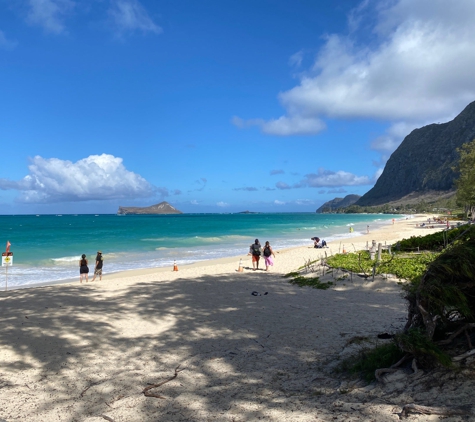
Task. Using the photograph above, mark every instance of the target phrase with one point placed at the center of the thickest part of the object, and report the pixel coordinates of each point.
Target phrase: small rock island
(161, 208)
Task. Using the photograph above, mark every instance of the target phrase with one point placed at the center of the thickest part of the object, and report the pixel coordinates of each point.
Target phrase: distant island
(248, 212)
(161, 208)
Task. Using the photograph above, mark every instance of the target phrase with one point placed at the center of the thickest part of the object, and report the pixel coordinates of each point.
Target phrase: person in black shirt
(83, 268)
(255, 251)
(98, 267)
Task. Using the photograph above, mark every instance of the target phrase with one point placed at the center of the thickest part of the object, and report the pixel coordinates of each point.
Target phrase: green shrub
(367, 361)
(313, 282)
(436, 241)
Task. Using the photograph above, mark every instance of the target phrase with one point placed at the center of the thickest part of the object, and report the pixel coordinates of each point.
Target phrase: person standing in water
(83, 268)
(98, 267)
(268, 254)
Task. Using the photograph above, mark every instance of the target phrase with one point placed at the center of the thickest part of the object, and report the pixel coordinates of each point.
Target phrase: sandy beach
(86, 352)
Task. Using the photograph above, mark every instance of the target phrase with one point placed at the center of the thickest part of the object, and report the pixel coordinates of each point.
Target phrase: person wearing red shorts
(255, 251)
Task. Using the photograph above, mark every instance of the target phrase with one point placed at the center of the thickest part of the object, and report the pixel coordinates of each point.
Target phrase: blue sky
(218, 106)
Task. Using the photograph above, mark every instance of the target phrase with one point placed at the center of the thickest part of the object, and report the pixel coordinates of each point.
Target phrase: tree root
(463, 355)
(393, 368)
(379, 372)
(456, 333)
(146, 392)
(89, 386)
(426, 410)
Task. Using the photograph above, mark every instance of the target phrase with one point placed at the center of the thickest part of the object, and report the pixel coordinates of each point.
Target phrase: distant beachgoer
(255, 251)
(268, 254)
(98, 267)
(367, 229)
(317, 243)
(83, 268)
(316, 240)
(351, 229)
(393, 220)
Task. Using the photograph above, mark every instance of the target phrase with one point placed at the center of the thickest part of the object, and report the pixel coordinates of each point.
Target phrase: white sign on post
(7, 260)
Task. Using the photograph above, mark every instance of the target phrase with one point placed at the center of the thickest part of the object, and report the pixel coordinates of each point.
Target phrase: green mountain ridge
(338, 203)
(423, 162)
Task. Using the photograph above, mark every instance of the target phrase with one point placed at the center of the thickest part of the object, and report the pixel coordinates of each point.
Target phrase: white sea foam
(66, 259)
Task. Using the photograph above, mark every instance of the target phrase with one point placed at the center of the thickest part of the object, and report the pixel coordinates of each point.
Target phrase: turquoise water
(47, 247)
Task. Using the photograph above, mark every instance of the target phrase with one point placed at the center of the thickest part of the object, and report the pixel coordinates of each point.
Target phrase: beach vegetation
(440, 291)
(302, 281)
(366, 361)
(435, 241)
(418, 344)
(403, 266)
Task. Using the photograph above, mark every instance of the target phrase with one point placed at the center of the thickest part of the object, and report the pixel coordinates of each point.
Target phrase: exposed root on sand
(426, 410)
(146, 392)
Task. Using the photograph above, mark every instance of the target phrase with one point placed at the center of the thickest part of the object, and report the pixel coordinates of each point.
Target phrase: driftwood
(146, 390)
(107, 418)
(426, 410)
(464, 355)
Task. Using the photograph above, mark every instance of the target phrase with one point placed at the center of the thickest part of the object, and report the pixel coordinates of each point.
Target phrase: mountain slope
(424, 160)
(338, 203)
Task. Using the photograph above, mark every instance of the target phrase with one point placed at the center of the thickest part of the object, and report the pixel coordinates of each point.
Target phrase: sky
(219, 106)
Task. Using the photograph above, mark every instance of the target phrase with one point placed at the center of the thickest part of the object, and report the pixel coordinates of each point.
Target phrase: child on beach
(268, 254)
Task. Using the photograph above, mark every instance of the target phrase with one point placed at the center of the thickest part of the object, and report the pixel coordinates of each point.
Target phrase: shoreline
(387, 233)
(252, 346)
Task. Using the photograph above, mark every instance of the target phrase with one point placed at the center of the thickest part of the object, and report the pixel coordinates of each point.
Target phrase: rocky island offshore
(161, 208)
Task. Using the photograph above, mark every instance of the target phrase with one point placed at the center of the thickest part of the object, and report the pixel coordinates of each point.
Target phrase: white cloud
(327, 178)
(277, 202)
(194, 202)
(222, 204)
(5, 43)
(304, 202)
(403, 61)
(284, 125)
(49, 14)
(130, 15)
(282, 186)
(97, 177)
(390, 140)
(410, 75)
(296, 59)
(274, 172)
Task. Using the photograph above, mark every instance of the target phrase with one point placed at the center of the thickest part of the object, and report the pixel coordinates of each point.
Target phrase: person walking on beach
(98, 267)
(255, 251)
(268, 254)
(83, 268)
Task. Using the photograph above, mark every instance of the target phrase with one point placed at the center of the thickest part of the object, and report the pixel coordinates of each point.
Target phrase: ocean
(47, 248)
